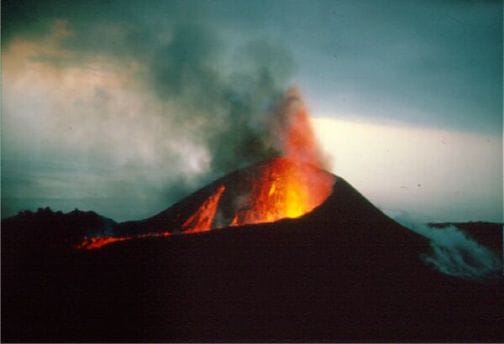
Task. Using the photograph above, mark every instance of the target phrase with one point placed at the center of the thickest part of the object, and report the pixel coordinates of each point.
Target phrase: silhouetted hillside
(45, 229)
(344, 272)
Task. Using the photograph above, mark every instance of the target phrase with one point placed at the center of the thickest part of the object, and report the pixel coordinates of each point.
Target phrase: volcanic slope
(264, 192)
(343, 272)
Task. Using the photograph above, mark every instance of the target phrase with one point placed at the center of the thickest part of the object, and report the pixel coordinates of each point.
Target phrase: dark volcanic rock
(344, 272)
(43, 229)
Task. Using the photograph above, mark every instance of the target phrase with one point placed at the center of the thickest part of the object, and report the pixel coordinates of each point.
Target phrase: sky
(126, 107)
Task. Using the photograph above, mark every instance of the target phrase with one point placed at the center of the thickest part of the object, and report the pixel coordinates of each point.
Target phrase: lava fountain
(288, 186)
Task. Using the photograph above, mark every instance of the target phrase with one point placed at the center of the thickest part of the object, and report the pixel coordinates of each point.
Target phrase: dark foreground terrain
(345, 272)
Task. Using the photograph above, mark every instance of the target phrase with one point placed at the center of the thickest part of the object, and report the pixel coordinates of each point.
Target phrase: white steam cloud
(454, 253)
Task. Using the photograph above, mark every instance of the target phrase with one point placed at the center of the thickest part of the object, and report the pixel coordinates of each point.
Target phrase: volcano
(278, 251)
(343, 271)
(278, 190)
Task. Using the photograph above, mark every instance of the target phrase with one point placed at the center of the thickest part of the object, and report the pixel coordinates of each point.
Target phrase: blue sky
(88, 85)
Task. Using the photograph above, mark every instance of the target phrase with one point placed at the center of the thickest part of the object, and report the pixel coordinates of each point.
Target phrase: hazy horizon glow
(431, 174)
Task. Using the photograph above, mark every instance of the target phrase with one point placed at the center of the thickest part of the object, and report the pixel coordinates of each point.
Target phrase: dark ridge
(46, 228)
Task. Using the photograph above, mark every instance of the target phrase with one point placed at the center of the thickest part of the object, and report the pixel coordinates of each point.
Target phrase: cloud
(161, 111)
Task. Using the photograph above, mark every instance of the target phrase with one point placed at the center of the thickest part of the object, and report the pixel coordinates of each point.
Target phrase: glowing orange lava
(284, 189)
(294, 184)
(202, 219)
(99, 242)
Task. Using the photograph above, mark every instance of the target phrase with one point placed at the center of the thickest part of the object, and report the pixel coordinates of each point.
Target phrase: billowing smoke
(454, 253)
(231, 104)
(131, 113)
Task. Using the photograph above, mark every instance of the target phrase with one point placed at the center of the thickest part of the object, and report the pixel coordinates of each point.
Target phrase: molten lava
(202, 219)
(294, 184)
(283, 189)
(99, 242)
